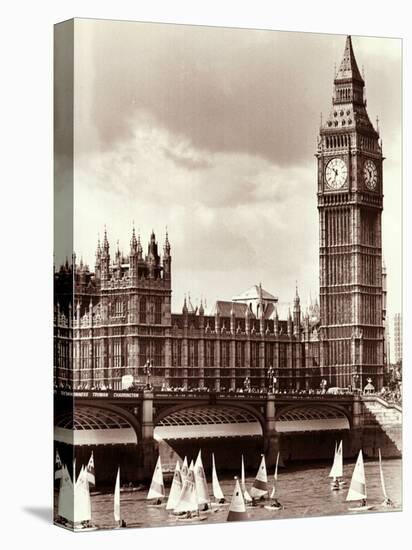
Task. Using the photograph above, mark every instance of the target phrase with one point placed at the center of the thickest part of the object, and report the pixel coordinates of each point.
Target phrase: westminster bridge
(132, 427)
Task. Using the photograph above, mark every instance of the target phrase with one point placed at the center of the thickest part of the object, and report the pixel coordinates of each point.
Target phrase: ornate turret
(167, 259)
(232, 319)
(98, 259)
(133, 243)
(133, 256)
(248, 315)
(118, 259)
(276, 322)
(289, 323)
(296, 313)
(152, 256)
(217, 321)
(105, 258)
(201, 315)
(139, 248)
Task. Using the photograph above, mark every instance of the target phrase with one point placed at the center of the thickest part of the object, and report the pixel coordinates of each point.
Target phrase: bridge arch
(312, 417)
(102, 424)
(205, 420)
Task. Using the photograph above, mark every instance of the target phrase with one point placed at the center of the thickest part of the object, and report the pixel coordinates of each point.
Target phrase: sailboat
(187, 508)
(237, 508)
(82, 519)
(217, 491)
(387, 502)
(246, 495)
(336, 471)
(260, 486)
(58, 471)
(275, 503)
(357, 488)
(116, 508)
(202, 490)
(157, 489)
(65, 506)
(175, 489)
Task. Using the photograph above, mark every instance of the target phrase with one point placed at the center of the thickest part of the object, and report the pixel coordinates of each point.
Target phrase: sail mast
(275, 477)
(116, 510)
(246, 495)
(382, 478)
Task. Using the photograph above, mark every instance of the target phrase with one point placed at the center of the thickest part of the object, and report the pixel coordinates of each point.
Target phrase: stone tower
(350, 202)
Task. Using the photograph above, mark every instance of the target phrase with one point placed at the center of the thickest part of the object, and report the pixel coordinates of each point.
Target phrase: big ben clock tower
(350, 202)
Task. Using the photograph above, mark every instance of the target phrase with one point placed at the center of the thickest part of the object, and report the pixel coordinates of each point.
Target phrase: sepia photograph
(228, 299)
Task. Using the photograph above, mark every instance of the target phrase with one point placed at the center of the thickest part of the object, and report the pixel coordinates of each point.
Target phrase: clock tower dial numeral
(370, 175)
(336, 174)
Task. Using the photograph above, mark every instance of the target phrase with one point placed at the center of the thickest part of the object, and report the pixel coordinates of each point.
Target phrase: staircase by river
(377, 412)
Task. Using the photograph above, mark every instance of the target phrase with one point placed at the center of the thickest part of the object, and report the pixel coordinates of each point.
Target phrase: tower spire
(348, 69)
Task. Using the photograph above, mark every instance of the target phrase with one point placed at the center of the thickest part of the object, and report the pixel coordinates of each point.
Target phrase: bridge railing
(100, 394)
(200, 394)
(386, 403)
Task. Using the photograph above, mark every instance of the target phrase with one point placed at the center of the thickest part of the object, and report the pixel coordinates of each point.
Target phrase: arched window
(158, 311)
(142, 309)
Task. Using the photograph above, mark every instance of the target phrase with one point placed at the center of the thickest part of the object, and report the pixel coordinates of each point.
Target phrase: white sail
(90, 471)
(337, 466)
(200, 481)
(332, 470)
(275, 477)
(188, 497)
(65, 507)
(157, 488)
(175, 489)
(116, 510)
(357, 489)
(82, 502)
(237, 508)
(246, 495)
(260, 485)
(58, 467)
(184, 470)
(217, 491)
(382, 478)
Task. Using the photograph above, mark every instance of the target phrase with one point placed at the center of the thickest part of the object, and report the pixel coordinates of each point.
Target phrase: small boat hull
(273, 508)
(193, 519)
(361, 508)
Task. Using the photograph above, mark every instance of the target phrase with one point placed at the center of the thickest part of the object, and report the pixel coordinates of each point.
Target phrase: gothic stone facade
(122, 318)
(110, 322)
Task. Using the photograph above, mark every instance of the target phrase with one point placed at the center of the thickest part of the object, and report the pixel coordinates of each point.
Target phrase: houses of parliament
(117, 319)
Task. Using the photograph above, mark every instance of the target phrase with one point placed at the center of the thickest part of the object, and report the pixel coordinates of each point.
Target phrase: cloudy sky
(212, 133)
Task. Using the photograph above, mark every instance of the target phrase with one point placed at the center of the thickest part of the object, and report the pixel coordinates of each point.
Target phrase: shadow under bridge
(227, 431)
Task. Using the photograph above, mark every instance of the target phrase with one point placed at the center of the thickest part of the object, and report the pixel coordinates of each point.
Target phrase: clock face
(370, 175)
(336, 173)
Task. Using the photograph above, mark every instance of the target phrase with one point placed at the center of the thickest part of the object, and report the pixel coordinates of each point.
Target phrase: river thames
(304, 491)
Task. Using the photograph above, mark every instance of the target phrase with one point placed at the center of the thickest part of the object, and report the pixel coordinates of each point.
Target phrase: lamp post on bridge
(355, 378)
(148, 372)
(271, 379)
